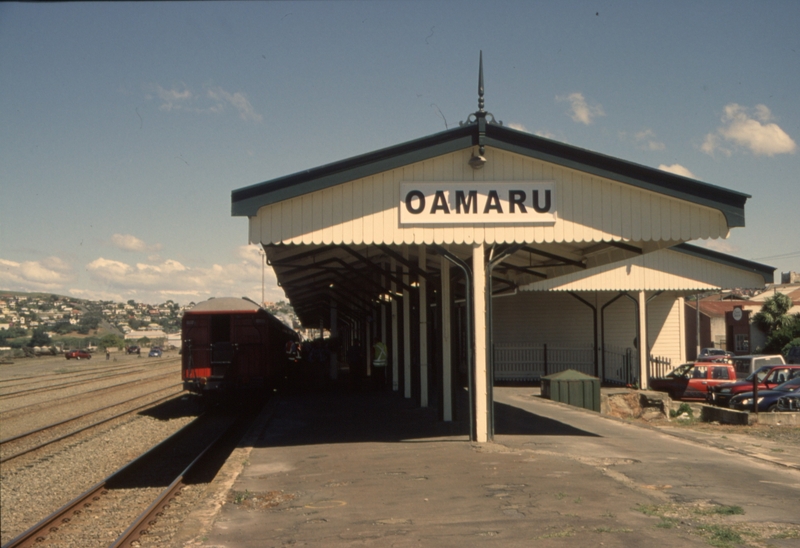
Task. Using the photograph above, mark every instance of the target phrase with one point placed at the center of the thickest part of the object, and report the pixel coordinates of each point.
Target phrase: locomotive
(232, 343)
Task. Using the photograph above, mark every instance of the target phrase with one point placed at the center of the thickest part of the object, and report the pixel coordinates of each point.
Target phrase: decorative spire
(480, 113)
(480, 84)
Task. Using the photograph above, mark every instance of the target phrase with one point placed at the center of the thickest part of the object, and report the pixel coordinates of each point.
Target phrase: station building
(484, 254)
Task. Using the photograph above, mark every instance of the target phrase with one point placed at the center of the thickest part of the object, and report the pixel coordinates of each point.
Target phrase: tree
(773, 319)
(40, 338)
(111, 341)
(773, 313)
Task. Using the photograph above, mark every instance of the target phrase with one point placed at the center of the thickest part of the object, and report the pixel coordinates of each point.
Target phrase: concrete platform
(372, 469)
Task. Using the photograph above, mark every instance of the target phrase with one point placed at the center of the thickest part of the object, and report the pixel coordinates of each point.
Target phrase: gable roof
(246, 201)
(682, 267)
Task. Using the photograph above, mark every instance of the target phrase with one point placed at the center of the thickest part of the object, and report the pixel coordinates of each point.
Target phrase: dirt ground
(785, 435)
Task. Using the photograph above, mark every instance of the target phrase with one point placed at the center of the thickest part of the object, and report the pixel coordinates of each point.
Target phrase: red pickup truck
(768, 377)
(691, 381)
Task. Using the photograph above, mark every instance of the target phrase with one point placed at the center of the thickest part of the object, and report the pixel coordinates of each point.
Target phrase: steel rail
(76, 383)
(149, 517)
(113, 386)
(93, 425)
(38, 532)
(71, 374)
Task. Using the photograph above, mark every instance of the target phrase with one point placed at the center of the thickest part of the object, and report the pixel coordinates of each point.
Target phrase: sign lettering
(470, 202)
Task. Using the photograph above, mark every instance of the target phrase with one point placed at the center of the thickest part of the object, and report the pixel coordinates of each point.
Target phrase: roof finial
(481, 114)
(480, 84)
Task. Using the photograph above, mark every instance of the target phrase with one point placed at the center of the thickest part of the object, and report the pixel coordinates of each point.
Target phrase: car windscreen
(789, 386)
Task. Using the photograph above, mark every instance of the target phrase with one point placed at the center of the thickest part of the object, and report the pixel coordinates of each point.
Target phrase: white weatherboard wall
(532, 319)
(539, 318)
(589, 208)
(664, 327)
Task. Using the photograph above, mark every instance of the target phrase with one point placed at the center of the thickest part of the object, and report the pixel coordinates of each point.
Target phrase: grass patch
(564, 533)
(649, 509)
(786, 535)
(560, 496)
(612, 530)
(720, 511)
(721, 536)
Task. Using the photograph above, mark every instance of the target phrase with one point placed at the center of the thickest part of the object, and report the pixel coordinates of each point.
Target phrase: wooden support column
(395, 341)
(479, 306)
(367, 347)
(447, 360)
(644, 351)
(423, 329)
(682, 328)
(334, 365)
(406, 329)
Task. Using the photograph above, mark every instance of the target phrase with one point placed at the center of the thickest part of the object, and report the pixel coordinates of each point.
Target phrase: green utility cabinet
(574, 388)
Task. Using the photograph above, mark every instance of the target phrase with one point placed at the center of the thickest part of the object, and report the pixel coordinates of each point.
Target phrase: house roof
(246, 201)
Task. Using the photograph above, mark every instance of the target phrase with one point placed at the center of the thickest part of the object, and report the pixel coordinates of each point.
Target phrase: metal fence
(526, 362)
(521, 362)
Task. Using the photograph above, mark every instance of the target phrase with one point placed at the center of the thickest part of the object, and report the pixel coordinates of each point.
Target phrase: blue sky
(124, 127)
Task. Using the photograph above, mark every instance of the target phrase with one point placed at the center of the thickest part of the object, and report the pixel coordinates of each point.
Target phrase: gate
(618, 366)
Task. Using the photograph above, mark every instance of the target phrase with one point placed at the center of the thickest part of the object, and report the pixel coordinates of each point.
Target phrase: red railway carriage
(230, 342)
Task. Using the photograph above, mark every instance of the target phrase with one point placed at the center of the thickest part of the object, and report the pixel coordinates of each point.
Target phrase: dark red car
(78, 355)
(769, 376)
(691, 381)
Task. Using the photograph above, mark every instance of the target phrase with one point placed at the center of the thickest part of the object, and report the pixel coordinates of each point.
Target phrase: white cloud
(581, 111)
(129, 242)
(215, 100)
(646, 139)
(171, 99)
(751, 130)
(50, 274)
(547, 135)
(722, 246)
(238, 100)
(518, 127)
(677, 169)
(169, 279)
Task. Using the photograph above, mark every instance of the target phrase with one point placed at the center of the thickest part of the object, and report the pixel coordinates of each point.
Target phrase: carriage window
(220, 328)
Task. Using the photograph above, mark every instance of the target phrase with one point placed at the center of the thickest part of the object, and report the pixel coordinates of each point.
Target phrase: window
(720, 373)
(742, 343)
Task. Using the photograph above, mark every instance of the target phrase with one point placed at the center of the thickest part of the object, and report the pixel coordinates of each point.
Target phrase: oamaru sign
(470, 202)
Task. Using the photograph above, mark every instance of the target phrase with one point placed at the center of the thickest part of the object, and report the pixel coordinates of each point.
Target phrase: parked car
(767, 399)
(789, 402)
(155, 352)
(691, 381)
(748, 364)
(78, 355)
(768, 377)
(133, 349)
(714, 354)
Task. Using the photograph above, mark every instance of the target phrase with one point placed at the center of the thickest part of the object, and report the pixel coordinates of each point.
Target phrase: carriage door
(247, 334)
(221, 348)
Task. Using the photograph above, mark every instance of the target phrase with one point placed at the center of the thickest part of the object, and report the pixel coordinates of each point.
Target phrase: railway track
(99, 376)
(131, 500)
(14, 382)
(20, 438)
(56, 401)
